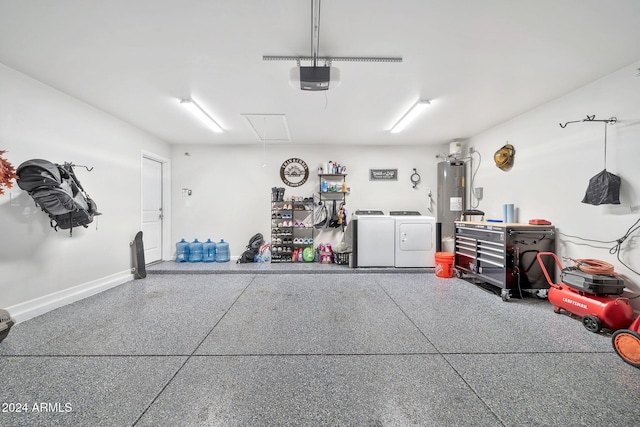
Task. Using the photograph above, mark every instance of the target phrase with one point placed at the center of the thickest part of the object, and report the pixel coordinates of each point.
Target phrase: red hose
(594, 266)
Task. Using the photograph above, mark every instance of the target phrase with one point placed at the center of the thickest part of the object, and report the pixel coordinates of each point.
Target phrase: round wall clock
(294, 172)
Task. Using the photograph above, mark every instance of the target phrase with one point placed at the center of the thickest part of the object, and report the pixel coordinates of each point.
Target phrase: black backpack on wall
(58, 192)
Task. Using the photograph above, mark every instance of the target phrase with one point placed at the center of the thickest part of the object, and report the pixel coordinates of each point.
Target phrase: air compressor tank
(596, 311)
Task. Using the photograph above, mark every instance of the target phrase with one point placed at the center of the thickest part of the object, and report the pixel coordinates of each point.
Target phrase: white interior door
(152, 214)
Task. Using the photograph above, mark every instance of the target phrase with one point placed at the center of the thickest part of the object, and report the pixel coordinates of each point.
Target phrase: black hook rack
(610, 121)
(589, 118)
(89, 169)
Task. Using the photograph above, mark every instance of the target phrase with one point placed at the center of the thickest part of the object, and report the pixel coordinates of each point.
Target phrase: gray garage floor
(372, 348)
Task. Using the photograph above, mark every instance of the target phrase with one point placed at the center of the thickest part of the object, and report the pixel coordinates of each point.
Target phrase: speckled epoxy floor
(383, 348)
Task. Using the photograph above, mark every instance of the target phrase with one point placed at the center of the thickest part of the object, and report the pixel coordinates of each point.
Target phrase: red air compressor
(597, 311)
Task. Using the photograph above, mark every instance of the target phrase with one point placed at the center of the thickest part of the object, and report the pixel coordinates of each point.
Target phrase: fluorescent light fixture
(197, 111)
(413, 112)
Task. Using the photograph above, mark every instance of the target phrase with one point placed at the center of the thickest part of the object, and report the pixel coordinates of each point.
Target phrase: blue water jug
(208, 251)
(182, 251)
(222, 251)
(195, 251)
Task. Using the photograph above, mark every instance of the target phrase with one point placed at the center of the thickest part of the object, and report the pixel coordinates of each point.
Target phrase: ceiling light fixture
(197, 111)
(413, 112)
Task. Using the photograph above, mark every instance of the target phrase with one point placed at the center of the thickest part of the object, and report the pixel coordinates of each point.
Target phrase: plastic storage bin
(341, 258)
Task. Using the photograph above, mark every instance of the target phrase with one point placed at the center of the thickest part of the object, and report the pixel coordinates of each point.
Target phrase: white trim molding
(38, 306)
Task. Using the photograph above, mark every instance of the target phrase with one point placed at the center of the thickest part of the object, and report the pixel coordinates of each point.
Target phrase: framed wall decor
(383, 174)
(294, 172)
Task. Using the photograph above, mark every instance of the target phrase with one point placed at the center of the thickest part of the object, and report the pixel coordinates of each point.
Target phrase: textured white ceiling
(479, 62)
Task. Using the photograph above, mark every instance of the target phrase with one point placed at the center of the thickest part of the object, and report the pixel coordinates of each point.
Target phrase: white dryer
(415, 239)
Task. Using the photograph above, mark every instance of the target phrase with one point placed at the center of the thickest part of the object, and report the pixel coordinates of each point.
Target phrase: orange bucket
(444, 264)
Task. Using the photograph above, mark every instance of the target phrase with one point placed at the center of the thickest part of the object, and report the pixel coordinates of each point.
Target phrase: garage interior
(385, 342)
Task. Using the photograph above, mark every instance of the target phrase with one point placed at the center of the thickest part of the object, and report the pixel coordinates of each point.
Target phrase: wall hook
(73, 165)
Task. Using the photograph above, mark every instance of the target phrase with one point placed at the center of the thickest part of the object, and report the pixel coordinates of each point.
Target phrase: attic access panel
(269, 127)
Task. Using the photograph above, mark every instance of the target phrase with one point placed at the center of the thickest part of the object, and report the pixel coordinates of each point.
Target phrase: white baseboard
(35, 307)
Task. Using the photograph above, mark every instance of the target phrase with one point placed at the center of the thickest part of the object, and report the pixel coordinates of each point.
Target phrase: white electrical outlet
(635, 208)
(477, 192)
(13, 199)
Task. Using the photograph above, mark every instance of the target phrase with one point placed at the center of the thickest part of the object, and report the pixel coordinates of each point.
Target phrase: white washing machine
(415, 239)
(373, 239)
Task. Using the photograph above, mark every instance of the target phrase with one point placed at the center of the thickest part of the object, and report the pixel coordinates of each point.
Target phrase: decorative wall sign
(294, 172)
(383, 174)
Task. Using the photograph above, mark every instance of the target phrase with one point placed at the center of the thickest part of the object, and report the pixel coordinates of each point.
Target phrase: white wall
(232, 190)
(38, 265)
(553, 167)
